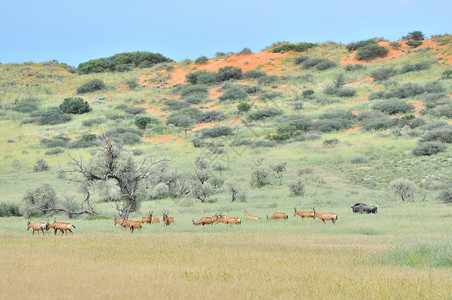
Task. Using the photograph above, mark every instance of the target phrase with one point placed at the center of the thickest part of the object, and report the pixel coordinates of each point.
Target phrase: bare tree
(112, 164)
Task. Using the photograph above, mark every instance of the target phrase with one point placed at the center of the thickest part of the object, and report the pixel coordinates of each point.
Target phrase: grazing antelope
(117, 221)
(250, 217)
(155, 220)
(147, 219)
(167, 220)
(303, 214)
(233, 220)
(277, 216)
(36, 226)
(221, 218)
(203, 221)
(132, 224)
(325, 217)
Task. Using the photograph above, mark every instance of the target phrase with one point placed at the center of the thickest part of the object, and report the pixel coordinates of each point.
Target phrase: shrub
(234, 93)
(252, 89)
(297, 105)
(407, 90)
(395, 45)
(210, 116)
(144, 122)
(264, 113)
(414, 44)
(26, 105)
(189, 90)
(356, 45)
(44, 197)
(300, 59)
(307, 94)
(346, 92)
(173, 104)
(240, 142)
(261, 176)
(230, 72)
(436, 125)
(92, 122)
(381, 123)
(254, 74)
(314, 62)
(132, 83)
(122, 62)
(338, 114)
(91, 86)
(195, 99)
(393, 107)
(202, 77)
(76, 106)
(371, 51)
(404, 188)
(421, 66)
(299, 47)
(41, 166)
(267, 80)
(245, 51)
(9, 210)
(435, 87)
(355, 67)
(383, 73)
(300, 122)
(237, 192)
(161, 190)
(270, 96)
(201, 60)
(181, 121)
(436, 98)
(445, 195)
(131, 109)
(201, 191)
(443, 135)
(414, 35)
(243, 107)
(297, 187)
(325, 65)
(54, 151)
(52, 116)
(263, 144)
(57, 141)
(329, 125)
(216, 131)
(446, 74)
(442, 111)
(429, 148)
(126, 136)
(358, 160)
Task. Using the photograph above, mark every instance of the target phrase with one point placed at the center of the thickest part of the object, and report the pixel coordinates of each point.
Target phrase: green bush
(346, 92)
(445, 195)
(91, 86)
(435, 87)
(263, 144)
(355, 67)
(52, 116)
(264, 114)
(395, 45)
(261, 176)
(230, 72)
(122, 62)
(299, 47)
(356, 45)
(307, 94)
(216, 131)
(57, 141)
(371, 51)
(201, 60)
(381, 123)
(243, 107)
(92, 122)
(414, 35)
(233, 93)
(443, 135)
(9, 210)
(300, 59)
(301, 122)
(254, 74)
(393, 107)
(76, 106)
(252, 89)
(145, 122)
(202, 77)
(267, 80)
(173, 104)
(446, 74)
(181, 121)
(126, 136)
(325, 65)
(421, 66)
(270, 96)
(429, 148)
(210, 116)
(330, 125)
(132, 83)
(26, 105)
(414, 44)
(189, 90)
(381, 74)
(442, 111)
(319, 63)
(54, 151)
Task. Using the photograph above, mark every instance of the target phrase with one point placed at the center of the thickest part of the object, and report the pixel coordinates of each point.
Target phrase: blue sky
(76, 31)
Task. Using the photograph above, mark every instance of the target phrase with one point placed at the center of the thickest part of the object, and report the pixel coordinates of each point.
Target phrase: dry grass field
(227, 265)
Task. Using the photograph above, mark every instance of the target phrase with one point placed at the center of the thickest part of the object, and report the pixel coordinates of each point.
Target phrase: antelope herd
(63, 228)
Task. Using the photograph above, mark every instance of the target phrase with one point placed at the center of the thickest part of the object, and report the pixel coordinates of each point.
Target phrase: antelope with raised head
(147, 219)
(303, 214)
(325, 217)
(37, 226)
(117, 221)
(278, 216)
(132, 224)
(167, 220)
(250, 217)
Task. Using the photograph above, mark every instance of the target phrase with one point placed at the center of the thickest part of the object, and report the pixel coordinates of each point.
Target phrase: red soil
(167, 138)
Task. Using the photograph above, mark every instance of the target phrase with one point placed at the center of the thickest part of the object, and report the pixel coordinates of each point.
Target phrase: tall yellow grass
(225, 265)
